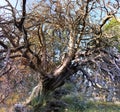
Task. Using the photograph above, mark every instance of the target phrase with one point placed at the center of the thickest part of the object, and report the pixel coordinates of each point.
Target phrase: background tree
(111, 30)
(57, 39)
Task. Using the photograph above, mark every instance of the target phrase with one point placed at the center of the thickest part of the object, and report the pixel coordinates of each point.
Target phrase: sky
(29, 4)
(14, 2)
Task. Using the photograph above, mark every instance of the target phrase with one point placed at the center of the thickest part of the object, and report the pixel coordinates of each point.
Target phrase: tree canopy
(58, 39)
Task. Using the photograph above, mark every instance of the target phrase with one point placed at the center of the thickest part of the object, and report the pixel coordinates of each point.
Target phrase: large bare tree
(59, 38)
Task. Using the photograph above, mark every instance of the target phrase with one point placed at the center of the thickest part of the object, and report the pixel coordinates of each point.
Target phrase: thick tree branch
(71, 53)
(19, 24)
(3, 45)
(105, 20)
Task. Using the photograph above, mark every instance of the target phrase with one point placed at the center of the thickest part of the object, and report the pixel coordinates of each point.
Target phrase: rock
(21, 108)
